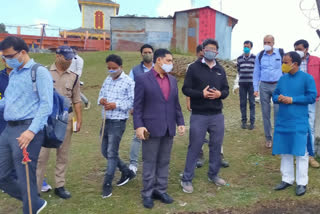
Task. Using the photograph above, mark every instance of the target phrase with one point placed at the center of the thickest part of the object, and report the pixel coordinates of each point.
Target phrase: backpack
(56, 127)
(281, 52)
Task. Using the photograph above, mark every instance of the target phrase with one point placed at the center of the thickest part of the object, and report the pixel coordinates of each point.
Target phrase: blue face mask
(246, 50)
(210, 55)
(13, 63)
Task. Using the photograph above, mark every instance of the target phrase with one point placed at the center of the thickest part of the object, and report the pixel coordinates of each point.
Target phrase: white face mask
(167, 67)
(267, 47)
(301, 53)
(114, 73)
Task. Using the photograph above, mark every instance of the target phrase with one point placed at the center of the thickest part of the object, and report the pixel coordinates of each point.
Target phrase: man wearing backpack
(67, 84)
(267, 72)
(26, 112)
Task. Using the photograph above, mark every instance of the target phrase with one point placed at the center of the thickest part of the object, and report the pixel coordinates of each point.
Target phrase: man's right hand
(256, 93)
(103, 101)
(140, 132)
(207, 93)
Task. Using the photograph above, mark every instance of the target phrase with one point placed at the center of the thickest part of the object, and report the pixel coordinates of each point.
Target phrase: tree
(3, 28)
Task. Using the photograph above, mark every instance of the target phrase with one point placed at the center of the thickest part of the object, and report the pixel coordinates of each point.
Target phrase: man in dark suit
(157, 111)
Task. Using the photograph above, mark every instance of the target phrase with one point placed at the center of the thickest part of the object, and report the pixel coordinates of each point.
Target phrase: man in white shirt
(76, 67)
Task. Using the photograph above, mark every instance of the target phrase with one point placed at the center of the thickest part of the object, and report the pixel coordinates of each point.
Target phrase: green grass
(251, 176)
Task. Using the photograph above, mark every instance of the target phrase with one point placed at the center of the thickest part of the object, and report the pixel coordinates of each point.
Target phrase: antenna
(311, 12)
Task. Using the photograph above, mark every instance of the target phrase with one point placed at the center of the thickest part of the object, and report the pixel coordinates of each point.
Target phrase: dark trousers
(113, 132)
(246, 92)
(156, 158)
(11, 157)
(199, 126)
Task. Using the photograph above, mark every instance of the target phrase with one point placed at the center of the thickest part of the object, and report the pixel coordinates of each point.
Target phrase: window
(98, 19)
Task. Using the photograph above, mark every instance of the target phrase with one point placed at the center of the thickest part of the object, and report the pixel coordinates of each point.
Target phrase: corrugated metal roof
(194, 9)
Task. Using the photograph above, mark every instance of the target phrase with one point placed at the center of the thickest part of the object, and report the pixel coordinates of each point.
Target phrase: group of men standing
(150, 94)
(292, 82)
(156, 114)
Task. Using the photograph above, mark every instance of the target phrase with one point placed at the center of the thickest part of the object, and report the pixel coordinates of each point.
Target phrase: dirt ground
(181, 64)
(271, 207)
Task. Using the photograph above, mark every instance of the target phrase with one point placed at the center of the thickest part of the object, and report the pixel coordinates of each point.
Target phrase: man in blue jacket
(26, 112)
(292, 134)
(4, 80)
(144, 66)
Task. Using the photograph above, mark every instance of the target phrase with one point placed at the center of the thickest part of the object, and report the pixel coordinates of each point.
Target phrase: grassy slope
(253, 172)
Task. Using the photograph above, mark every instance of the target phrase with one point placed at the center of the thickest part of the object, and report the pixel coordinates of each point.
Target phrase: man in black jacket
(206, 84)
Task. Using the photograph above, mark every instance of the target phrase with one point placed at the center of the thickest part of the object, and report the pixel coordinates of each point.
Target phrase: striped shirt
(119, 91)
(246, 67)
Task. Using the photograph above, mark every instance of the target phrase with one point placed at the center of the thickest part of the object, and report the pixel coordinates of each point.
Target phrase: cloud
(283, 19)
(168, 7)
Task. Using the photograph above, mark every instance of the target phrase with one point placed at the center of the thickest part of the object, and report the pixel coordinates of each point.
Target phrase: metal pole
(42, 34)
(318, 5)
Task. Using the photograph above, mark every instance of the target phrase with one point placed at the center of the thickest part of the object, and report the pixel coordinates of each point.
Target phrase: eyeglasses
(9, 56)
(210, 49)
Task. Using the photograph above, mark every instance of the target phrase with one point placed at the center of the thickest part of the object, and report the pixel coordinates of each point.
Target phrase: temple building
(95, 19)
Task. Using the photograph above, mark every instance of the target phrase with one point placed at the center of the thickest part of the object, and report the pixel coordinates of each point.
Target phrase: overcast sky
(281, 18)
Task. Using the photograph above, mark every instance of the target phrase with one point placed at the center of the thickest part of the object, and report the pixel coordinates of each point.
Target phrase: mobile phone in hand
(146, 135)
(213, 88)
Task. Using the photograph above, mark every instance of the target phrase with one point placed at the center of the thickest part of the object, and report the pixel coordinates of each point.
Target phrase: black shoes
(224, 163)
(283, 185)
(147, 202)
(163, 197)
(62, 193)
(251, 127)
(106, 190)
(125, 177)
(200, 162)
(301, 190)
(243, 125)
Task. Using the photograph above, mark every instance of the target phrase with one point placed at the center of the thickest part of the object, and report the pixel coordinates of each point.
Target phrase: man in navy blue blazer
(157, 111)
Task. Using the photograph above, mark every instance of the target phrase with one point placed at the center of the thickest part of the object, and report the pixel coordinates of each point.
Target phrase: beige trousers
(62, 154)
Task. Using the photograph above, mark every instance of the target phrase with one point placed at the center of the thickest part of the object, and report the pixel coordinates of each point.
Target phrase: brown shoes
(268, 143)
(313, 163)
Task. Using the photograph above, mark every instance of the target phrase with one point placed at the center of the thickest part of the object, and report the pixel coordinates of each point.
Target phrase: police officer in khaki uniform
(67, 84)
